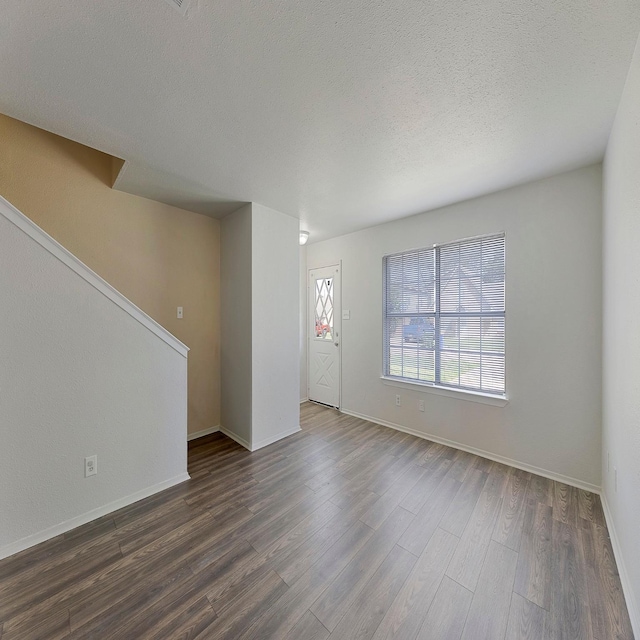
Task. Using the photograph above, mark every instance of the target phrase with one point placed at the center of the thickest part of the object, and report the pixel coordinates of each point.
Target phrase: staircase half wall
(83, 372)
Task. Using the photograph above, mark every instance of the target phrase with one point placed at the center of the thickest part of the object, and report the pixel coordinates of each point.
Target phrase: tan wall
(158, 256)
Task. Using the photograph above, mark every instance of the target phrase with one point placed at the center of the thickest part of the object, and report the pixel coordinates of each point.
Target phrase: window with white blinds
(444, 315)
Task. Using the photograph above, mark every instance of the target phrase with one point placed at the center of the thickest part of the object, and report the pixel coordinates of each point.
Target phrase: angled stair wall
(83, 371)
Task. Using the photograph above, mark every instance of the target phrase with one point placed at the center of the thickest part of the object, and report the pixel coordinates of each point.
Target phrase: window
(444, 315)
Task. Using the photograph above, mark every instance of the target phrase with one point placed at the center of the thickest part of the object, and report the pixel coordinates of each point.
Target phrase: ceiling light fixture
(304, 236)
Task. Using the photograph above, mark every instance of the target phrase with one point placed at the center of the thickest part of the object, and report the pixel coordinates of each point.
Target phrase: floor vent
(179, 5)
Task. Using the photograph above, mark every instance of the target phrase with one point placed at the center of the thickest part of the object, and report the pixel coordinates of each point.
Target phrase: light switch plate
(346, 314)
(180, 314)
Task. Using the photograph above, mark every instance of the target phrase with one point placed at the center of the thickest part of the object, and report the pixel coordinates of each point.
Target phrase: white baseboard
(201, 434)
(261, 443)
(279, 436)
(627, 589)
(303, 400)
(68, 525)
(592, 488)
(233, 436)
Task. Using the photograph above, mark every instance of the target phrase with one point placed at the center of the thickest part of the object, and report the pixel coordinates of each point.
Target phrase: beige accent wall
(158, 256)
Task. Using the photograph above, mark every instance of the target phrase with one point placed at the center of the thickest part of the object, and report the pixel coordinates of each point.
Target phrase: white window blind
(444, 311)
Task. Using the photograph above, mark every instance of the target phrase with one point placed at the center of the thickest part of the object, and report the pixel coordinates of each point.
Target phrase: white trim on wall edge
(279, 436)
(303, 400)
(8, 211)
(627, 590)
(201, 434)
(68, 525)
(587, 486)
(233, 436)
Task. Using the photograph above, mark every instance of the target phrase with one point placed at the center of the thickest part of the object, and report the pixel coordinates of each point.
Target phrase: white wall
(79, 376)
(260, 340)
(275, 311)
(304, 391)
(621, 332)
(553, 242)
(235, 324)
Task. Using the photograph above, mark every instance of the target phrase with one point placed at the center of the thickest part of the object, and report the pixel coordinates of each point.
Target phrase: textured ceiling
(343, 113)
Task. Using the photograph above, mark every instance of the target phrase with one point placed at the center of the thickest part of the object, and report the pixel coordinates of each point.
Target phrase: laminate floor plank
(565, 503)
(570, 613)
(489, 612)
(239, 615)
(533, 574)
(341, 593)
(293, 564)
(55, 626)
(590, 508)
(462, 463)
(346, 529)
(448, 612)
(308, 628)
(183, 624)
(407, 612)
(510, 522)
(424, 525)
(466, 564)
(390, 499)
(459, 511)
(106, 616)
(287, 611)
(362, 618)
(361, 482)
(527, 621)
(422, 490)
(94, 593)
(606, 599)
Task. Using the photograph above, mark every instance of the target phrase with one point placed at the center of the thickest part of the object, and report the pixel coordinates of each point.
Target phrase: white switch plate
(90, 466)
(346, 314)
(180, 313)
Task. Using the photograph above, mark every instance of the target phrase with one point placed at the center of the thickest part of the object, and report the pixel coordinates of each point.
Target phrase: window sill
(460, 394)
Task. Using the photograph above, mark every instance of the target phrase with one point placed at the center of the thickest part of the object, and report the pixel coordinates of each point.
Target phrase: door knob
(335, 343)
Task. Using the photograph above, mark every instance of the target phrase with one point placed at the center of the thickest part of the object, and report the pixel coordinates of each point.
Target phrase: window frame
(437, 386)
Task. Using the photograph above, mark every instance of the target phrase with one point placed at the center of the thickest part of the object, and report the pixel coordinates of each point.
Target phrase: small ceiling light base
(304, 236)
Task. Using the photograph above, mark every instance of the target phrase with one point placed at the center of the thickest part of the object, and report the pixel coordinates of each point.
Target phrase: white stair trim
(8, 211)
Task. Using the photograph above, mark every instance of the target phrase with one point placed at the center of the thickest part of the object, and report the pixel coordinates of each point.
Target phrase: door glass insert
(324, 308)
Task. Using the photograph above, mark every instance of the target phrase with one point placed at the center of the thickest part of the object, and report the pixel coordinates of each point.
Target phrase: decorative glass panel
(324, 308)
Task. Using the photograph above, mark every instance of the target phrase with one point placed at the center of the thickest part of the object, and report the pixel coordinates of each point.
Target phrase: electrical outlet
(420, 405)
(90, 466)
(180, 313)
(397, 401)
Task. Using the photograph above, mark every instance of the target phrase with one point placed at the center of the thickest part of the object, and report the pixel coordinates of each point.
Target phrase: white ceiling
(345, 113)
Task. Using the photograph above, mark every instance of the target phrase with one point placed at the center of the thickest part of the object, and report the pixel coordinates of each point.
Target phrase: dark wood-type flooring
(346, 530)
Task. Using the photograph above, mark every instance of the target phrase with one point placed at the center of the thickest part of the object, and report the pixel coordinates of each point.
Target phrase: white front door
(324, 335)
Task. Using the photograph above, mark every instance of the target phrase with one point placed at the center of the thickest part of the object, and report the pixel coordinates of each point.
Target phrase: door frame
(308, 334)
